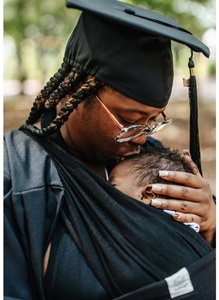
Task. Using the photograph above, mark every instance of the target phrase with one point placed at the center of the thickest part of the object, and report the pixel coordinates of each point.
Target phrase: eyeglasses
(133, 131)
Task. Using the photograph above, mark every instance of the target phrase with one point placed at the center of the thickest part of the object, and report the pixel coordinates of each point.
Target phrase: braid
(73, 78)
(89, 87)
(38, 106)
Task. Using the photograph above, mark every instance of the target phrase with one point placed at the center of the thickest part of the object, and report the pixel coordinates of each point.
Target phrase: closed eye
(154, 120)
(126, 123)
(151, 121)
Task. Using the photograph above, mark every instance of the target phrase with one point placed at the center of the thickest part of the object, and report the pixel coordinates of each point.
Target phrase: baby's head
(133, 176)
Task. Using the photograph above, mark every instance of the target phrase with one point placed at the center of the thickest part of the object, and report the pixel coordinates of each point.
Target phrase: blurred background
(35, 35)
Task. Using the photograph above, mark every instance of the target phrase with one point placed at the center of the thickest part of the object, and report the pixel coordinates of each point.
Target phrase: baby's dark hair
(146, 165)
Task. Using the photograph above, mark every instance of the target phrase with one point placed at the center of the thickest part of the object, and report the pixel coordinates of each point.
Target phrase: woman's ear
(147, 194)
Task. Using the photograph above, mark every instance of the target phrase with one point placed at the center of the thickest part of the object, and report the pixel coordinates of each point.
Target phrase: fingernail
(176, 216)
(163, 173)
(170, 212)
(156, 188)
(186, 152)
(156, 202)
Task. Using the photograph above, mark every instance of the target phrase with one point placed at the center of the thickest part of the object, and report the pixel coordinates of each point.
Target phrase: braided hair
(58, 87)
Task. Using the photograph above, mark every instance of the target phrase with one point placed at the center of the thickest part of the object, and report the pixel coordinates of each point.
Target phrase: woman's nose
(140, 140)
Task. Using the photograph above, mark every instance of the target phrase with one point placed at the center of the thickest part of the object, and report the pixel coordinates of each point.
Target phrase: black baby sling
(136, 251)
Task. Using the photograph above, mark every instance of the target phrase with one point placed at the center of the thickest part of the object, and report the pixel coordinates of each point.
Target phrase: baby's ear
(147, 194)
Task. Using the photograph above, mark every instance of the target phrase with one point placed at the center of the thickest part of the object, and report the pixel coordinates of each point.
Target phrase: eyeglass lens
(131, 133)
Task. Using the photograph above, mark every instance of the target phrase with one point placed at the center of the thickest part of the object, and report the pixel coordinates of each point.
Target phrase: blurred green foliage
(35, 31)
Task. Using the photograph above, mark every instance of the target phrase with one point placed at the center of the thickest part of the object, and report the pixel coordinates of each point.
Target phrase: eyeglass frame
(146, 129)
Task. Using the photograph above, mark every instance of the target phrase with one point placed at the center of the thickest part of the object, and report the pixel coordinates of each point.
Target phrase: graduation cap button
(129, 11)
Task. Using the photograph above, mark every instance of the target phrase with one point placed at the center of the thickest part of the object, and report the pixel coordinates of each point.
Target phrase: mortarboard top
(140, 19)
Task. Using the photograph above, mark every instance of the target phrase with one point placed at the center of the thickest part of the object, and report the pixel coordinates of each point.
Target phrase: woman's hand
(191, 202)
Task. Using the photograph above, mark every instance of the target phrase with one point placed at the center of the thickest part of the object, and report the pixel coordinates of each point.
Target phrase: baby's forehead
(122, 168)
(126, 163)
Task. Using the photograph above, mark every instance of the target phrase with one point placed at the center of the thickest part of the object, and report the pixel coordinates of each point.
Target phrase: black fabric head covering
(129, 49)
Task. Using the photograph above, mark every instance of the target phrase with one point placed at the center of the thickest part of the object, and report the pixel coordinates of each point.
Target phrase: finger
(146, 201)
(188, 160)
(184, 178)
(184, 207)
(187, 218)
(190, 220)
(179, 192)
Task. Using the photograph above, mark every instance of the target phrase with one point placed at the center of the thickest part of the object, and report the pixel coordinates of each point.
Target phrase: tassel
(193, 101)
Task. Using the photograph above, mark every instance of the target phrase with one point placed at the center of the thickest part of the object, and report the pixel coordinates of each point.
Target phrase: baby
(134, 176)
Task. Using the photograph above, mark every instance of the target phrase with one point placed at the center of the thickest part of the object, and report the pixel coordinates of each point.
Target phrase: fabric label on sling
(179, 283)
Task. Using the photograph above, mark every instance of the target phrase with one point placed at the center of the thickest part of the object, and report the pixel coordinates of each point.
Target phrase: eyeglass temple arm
(111, 115)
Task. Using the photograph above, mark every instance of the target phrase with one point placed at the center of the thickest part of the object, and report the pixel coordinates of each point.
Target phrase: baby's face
(124, 180)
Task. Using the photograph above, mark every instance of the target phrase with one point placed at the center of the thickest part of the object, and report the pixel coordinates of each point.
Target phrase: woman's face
(90, 131)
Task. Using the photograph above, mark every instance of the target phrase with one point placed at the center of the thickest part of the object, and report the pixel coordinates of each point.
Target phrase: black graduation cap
(140, 19)
(129, 48)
